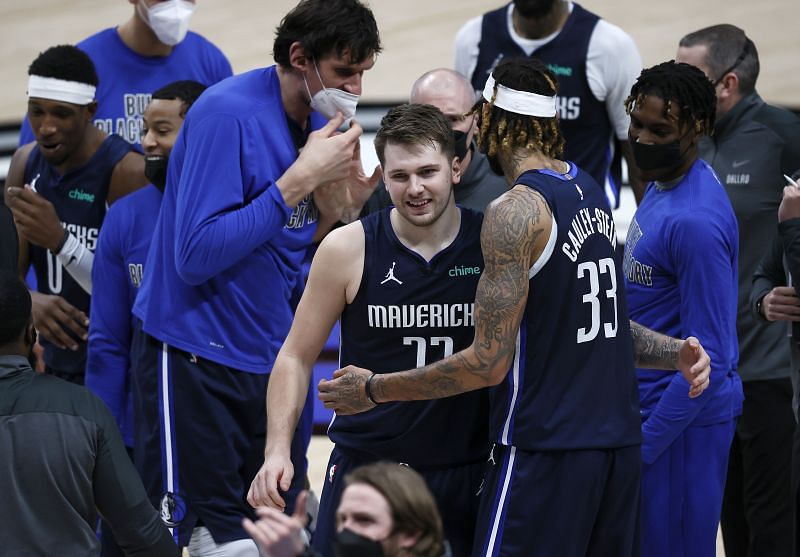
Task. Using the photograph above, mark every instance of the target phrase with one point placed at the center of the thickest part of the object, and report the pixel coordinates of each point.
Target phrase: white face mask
(170, 20)
(328, 101)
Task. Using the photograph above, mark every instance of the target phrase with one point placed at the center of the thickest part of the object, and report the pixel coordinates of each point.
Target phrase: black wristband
(368, 390)
(62, 242)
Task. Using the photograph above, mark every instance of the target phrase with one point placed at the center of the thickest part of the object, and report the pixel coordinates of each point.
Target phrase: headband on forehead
(54, 89)
(520, 102)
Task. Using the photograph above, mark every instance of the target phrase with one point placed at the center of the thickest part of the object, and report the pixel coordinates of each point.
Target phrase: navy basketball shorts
(455, 489)
(566, 503)
(200, 431)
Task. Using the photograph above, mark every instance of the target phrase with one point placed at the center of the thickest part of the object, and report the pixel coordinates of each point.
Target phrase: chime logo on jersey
(462, 271)
(79, 195)
(172, 509)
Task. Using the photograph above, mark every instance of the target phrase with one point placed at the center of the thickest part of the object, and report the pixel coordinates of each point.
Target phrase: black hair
(187, 91)
(498, 126)
(65, 62)
(728, 50)
(680, 84)
(15, 307)
(327, 27)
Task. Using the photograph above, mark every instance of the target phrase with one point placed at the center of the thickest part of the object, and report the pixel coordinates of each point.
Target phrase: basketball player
(150, 49)
(121, 251)
(256, 172)
(595, 62)
(403, 283)
(552, 337)
(119, 265)
(452, 93)
(70, 174)
(680, 278)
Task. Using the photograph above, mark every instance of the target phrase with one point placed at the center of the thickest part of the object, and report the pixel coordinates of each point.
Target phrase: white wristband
(77, 259)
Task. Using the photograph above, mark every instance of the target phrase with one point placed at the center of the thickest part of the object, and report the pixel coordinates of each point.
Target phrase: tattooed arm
(515, 231)
(654, 350)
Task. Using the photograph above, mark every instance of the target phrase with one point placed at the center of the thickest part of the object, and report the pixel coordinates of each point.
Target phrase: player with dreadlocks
(680, 271)
(553, 341)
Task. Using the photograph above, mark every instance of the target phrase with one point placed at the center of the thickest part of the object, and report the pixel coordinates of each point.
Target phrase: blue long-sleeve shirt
(681, 280)
(227, 251)
(116, 275)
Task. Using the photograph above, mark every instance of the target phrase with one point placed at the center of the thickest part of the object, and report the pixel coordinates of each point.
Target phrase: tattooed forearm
(652, 349)
(510, 238)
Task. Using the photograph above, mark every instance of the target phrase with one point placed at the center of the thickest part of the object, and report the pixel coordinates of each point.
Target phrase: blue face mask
(350, 544)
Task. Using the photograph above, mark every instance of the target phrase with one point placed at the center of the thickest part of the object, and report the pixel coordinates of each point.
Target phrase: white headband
(54, 89)
(520, 102)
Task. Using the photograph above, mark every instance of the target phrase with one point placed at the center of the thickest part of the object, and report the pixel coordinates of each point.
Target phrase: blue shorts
(566, 503)
(199, 438)
(455, 490)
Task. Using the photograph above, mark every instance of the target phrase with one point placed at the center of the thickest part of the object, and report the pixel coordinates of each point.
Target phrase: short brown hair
(415, 125)
(728, 49)
(413, 508)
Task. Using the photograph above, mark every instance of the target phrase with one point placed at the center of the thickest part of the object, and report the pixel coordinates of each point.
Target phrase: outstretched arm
(334, 278)
(515, 229)
(654, 350)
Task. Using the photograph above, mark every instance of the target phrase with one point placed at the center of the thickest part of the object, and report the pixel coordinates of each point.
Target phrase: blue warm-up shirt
(681, 280)
(227, 251)
(116, 276)
(128, 79)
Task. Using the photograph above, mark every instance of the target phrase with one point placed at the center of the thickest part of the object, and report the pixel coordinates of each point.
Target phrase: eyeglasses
(735, 65)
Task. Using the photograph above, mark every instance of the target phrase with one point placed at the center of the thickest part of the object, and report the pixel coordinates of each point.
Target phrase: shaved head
(443, 84)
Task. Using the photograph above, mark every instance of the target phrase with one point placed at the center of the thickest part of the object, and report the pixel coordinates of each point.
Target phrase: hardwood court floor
(417, 35)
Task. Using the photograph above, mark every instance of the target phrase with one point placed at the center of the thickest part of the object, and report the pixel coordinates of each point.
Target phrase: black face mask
(155, 170)
(534, 8)
(350, 544)
(461, 148)
(654, 156)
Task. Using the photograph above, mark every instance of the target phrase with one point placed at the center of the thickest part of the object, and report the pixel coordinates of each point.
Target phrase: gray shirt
(752, 146)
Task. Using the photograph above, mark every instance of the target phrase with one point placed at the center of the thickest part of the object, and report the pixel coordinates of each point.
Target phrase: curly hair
(498, 127)
(678, 84)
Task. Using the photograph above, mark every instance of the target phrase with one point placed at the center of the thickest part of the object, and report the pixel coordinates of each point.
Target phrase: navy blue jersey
(79, 198)
(407, 313)
(583, 119)
(572, 384)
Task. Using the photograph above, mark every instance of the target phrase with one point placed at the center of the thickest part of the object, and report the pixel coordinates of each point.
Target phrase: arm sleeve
(789, 232)
(466, 47)
(769, 274)
(612, 65)
(108, 357)
(703, 261)
(120, 497)
(215, 227)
